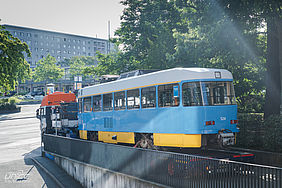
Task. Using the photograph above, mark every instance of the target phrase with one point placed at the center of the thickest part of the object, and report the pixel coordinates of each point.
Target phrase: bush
(272, 137)
(250, 126)
(13, 100)
(7, 106)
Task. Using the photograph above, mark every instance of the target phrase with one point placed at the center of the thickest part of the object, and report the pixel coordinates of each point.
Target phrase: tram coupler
(226, 138)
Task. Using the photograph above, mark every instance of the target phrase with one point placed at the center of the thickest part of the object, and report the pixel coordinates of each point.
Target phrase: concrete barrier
(92, 176)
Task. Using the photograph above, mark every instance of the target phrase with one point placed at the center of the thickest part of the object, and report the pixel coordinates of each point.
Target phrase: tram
(179, 107)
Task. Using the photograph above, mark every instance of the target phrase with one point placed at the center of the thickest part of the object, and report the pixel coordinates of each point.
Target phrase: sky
(80, 17)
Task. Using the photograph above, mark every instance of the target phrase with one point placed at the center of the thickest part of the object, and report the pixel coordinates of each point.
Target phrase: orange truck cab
(49, 112)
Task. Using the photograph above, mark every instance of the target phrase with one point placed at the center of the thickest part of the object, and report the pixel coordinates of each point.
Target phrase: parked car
(34, 93)
(28, 96)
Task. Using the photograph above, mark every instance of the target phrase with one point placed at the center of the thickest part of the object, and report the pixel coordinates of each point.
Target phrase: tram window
(120, 101)
(108, 102)
(168, 95)
(87, 104)
(133, 99)
(80, 105)
(191, 94)
(97, 103)
(218, 93)
(148, 97)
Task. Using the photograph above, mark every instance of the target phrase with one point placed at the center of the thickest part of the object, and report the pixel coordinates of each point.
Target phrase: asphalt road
(19, 141)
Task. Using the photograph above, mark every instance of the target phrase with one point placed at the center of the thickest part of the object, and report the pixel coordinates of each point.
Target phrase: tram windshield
(208, 93)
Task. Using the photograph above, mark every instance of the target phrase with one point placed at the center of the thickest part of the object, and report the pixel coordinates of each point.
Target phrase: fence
(170, 169)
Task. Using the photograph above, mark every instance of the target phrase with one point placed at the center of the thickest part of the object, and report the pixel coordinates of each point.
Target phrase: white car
(28, 97)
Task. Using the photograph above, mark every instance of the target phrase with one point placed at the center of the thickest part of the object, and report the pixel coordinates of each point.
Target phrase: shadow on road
(48, 181)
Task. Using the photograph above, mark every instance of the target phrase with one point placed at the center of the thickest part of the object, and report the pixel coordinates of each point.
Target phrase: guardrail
(171, 169)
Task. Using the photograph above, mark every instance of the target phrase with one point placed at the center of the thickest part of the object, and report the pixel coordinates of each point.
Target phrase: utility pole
(109, 35)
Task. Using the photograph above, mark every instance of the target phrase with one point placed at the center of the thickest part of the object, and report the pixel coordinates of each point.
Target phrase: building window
(108, 102)
(65, 39)
(148, 97)
(83, 48)
(41, 43)
(168, 95)
(120, 101)
(133, 99)
(97, 103)
(35, 35)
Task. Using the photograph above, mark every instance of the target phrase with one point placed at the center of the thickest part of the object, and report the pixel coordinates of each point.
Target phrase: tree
(221, 36)
(47, 70)
(113, 63)
(146, 31)
(13, 66)
(213, 34)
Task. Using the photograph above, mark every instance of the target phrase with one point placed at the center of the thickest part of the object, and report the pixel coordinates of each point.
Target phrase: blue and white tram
(180, 107)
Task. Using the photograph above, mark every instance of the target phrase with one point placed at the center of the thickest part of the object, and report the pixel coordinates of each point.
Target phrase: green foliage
(272, 138)
(146, 31)
(213, 34)
(112, 63)
(47, 70)
(250, 134)
(260, 134)
(8, 104)
(78, 64)
(13, 100)
(13, 66)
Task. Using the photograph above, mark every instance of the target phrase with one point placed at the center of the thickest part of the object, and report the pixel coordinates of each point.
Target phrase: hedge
(260, 134)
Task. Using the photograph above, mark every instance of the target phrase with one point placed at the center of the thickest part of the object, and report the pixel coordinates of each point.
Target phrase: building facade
(59, 45)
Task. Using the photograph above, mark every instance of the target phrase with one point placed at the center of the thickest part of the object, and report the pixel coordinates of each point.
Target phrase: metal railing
(170, 169)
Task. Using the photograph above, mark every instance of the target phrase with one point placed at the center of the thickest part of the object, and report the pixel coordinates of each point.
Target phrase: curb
(48, 173)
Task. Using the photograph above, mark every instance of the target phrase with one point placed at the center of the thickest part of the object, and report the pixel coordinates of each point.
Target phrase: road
(19, 141)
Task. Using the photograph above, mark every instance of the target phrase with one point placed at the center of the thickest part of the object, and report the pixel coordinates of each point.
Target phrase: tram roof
(156, 78)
